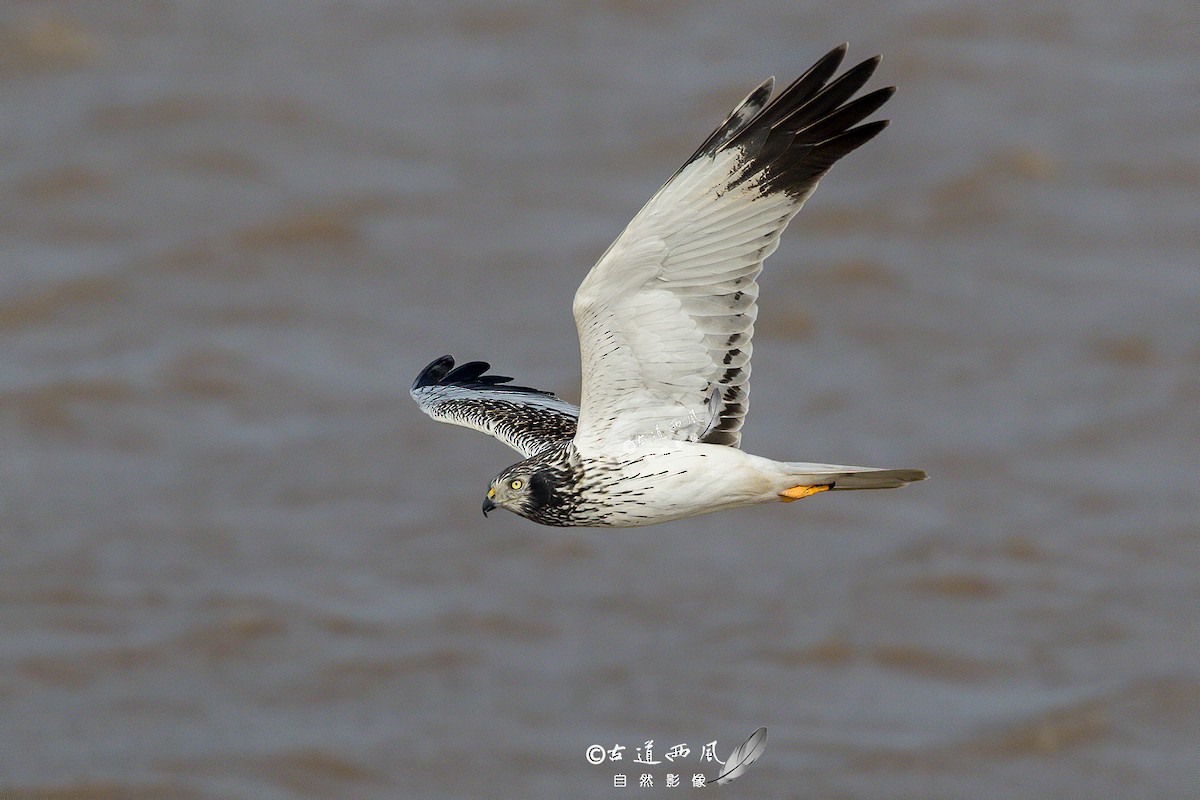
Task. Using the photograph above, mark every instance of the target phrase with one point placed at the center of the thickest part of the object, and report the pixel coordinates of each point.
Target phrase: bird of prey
(665, 320)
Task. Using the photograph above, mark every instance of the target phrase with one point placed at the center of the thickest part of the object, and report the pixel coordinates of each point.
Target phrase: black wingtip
(474, 372)
(865, 132)
(835, 147)
(434, 372)
(823, 69)
(760, 95)
(844, 118)
(442, 372)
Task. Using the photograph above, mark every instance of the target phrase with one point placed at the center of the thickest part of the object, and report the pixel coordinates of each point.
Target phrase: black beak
(488, 505)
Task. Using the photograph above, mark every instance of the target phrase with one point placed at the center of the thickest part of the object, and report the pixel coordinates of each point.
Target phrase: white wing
(527, 420)
(666, 316)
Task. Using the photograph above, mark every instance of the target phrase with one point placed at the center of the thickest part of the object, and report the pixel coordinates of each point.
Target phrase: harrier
(665, 322)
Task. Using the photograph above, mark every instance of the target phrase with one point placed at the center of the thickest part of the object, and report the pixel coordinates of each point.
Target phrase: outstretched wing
(527, 420)
(666, 316)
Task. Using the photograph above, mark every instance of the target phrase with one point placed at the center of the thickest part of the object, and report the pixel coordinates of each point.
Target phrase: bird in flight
(665, 321)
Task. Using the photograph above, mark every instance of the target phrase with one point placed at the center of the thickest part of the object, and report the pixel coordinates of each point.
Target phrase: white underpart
(673, 480)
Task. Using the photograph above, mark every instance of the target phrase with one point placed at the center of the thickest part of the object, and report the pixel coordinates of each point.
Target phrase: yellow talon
(797, 492)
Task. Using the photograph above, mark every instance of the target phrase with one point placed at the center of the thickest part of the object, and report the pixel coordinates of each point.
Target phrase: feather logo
(743, 756)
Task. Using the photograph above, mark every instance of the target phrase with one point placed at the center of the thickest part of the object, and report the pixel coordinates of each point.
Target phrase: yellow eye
(517, 484)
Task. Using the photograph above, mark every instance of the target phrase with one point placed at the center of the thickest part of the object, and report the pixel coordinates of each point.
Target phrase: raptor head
(538, 488)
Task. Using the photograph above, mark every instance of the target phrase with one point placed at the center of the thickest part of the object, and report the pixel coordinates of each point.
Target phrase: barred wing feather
(527, 420)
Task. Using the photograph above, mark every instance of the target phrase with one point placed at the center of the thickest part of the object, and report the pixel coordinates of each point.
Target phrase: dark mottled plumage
(552, 485)
(528, 420)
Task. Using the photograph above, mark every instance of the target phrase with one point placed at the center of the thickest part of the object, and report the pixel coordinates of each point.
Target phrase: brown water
(236, 562)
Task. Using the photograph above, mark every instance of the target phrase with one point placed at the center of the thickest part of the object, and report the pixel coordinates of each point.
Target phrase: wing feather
(666, 316)
(527, 420)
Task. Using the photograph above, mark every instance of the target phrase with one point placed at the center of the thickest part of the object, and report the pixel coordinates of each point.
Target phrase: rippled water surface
(236, 562)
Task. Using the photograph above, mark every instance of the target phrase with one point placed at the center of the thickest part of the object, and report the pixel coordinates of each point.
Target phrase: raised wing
(527, 420)
(666, 316)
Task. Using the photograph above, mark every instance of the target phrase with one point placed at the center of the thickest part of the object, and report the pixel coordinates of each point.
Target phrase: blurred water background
(236, 562)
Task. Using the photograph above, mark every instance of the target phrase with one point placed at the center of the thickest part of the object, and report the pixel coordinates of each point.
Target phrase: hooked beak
(488, 503)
